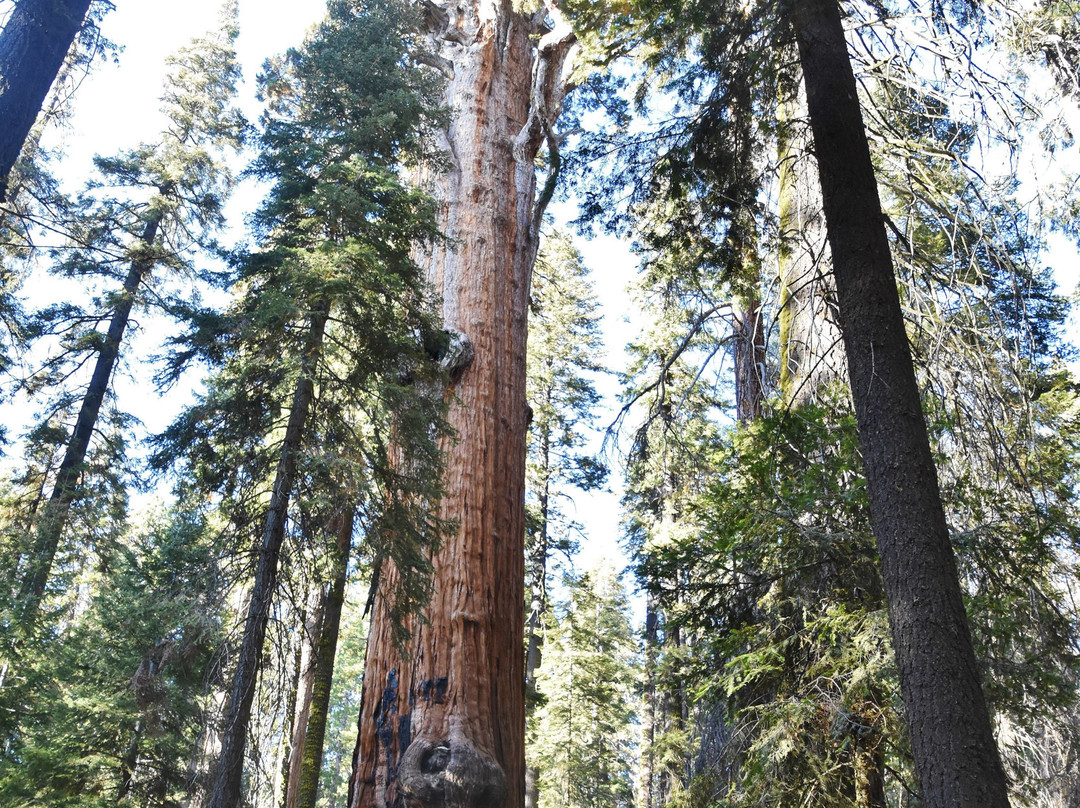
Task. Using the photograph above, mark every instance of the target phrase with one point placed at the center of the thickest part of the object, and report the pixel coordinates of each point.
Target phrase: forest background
(708, 704)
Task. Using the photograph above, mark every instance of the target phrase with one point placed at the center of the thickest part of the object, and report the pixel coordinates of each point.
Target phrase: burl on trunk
(444, 724)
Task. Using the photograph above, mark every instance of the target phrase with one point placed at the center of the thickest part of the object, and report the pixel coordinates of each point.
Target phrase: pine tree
(115, 704)
(580, 738)
(335, 298)
(952, 740)
(177, 187)
(564, 342)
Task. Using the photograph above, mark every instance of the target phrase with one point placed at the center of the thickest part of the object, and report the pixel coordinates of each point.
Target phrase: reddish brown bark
(444, 725)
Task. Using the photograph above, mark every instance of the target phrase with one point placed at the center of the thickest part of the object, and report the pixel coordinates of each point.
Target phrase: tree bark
(646, 764)
(811, 353)
(300, 709)
(33, 44)
(537, 575)
(444, 724)
(956, 759)
(54, 516)
(310, 764)
(227, 778)
(749, 340)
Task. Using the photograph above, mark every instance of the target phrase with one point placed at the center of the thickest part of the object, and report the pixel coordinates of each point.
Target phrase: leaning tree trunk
(228, 775)
(444, 725)
(33, 44)
(314, 741)
(956, 759)
(54, 516)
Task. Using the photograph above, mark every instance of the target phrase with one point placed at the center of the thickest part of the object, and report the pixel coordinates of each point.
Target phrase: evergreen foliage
(580, 738)
(764, 673)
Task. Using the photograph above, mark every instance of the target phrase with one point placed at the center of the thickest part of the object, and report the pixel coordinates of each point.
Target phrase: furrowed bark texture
(33, 44)
(310, 764)
(445, 726)
(956, 759)
(53, 519)
(812, 355)
(749, 341)
(227, 778)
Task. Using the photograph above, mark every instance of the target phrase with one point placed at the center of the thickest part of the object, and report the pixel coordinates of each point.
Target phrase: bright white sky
(117, 107)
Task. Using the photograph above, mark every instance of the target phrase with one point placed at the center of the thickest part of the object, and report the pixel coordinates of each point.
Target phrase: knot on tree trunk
(450, 773)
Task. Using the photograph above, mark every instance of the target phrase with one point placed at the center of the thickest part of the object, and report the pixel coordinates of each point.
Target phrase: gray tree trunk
(956, 759)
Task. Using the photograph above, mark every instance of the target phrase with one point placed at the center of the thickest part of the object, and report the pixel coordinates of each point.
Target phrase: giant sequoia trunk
(33, 44)
(444, 725)
(811, 355)
(956, 759)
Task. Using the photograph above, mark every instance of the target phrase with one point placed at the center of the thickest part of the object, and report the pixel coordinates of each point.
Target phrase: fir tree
(175, 190)
(580, 738)
(335, 298)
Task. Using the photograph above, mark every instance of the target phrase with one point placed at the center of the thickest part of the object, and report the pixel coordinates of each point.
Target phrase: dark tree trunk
(307, 789)
(53, 518)
(33, 44)
(956, 759)
(749, 339)
(227, 778)
(300, 701)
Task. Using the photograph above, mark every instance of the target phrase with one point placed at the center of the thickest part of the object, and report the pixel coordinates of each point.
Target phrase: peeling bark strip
(462, 685)
(955, 756)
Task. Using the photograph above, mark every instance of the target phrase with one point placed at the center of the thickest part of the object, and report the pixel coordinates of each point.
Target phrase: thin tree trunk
(33, 43)
(54, 516)
(128, 764)
(315, 737)
(869, 753)
(646, 765)
(537, 575)
(445, 725)
(956, 759)
(227, 779)
(305, 686)
(749, 342)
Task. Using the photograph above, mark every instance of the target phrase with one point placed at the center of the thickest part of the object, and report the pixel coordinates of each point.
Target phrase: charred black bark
(956, 759)
(33, 44)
